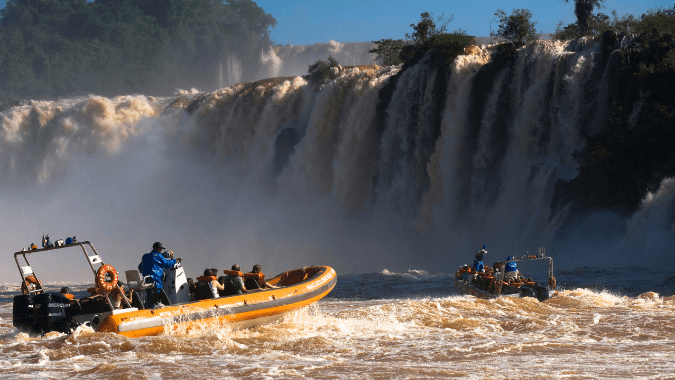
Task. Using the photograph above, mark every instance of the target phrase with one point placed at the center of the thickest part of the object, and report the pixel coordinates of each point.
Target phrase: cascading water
(378, 167)
(399, 173)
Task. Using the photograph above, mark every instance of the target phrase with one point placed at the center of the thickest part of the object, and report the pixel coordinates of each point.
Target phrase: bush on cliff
(517, 29)
(428, 34)
(320, 71)
(659, 19)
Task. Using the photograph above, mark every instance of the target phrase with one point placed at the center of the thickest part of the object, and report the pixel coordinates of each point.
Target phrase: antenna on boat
(25, 226)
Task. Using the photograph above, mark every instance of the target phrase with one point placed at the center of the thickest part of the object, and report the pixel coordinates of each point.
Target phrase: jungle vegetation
(428, 34)
(590, 24)
(55, 48)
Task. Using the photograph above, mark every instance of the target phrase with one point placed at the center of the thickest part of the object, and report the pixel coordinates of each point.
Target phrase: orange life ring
(31, 280)
(101, 282)
(551, 282)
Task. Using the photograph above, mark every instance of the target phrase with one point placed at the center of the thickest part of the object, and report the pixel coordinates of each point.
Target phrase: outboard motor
(51, 312)
(526, 291)
(22, 312)
(542, 292)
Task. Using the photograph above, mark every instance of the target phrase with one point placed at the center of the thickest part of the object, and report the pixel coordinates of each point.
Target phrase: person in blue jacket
(478, 260)
(511, 268)
(153, 264)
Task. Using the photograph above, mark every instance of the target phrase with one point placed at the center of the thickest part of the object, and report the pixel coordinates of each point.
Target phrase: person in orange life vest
(214, 285)
(262, 284)
(237, 281)
(65, 291)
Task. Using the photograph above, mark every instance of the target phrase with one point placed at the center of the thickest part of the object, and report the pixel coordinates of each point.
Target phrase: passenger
(262, 284)
(236, 281)
(214, 285)
(478, 265)
(153, 264)
(65, 291)
(510, 269)
(116, 295)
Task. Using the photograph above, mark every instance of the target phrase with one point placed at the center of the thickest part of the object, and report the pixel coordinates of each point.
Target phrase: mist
(286, 172)
(124, 195)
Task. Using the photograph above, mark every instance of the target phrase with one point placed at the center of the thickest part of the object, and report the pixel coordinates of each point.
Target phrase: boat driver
(478, 261)
(153, 264)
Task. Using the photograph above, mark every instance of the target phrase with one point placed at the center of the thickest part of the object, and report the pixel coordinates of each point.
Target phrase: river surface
(605, 323)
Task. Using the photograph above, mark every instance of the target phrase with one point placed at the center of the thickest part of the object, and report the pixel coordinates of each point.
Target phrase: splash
(40, 137)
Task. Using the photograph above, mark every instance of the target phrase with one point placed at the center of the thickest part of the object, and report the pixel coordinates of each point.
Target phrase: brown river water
(582, 333)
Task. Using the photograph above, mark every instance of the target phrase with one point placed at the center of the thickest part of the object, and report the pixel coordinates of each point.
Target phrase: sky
(305, 22)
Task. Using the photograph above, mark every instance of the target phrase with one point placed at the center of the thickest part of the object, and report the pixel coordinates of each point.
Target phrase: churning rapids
(375, 168)
(406, 325)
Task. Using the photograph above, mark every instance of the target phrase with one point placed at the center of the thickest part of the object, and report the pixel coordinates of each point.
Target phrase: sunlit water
(387, 325)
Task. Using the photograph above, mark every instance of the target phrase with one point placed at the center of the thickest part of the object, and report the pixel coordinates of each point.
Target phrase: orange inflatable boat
(41, 312)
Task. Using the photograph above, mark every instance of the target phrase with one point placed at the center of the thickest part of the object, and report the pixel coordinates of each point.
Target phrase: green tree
(427, 29)
(517, 28)
(583, 9)
(320, 70)
(388, 51)
(660, 19)
(428, 34)
(53, 48)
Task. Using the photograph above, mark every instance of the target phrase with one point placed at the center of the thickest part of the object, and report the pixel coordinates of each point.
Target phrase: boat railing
(95, 259)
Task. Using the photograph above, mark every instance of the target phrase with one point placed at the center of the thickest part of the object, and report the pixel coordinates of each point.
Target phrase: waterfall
(378, 167)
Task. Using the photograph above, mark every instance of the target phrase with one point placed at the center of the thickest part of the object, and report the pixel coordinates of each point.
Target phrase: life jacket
(233, 273)
(206, 278)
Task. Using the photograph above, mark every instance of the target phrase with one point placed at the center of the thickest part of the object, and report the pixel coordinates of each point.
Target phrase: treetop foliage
(427, 29)
(659, 19)
(320, 70)
(428, 34)
(583, 9)
(517, 28)
(53, 48)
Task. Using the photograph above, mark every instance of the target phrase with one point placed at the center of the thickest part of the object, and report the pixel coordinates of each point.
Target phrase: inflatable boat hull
(299, 288)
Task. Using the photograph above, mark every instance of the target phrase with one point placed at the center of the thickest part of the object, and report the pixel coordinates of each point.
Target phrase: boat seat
(136, 301)
(229, 290)
(135, 282)
(202, 291)
(94, 304)
(251, 283)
